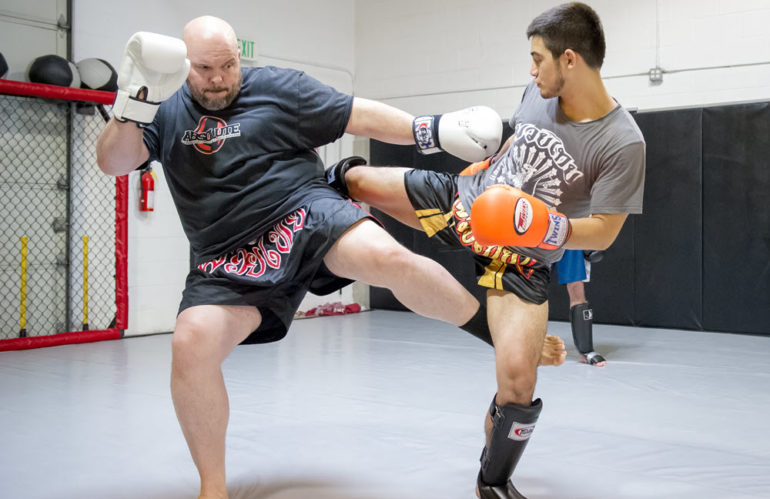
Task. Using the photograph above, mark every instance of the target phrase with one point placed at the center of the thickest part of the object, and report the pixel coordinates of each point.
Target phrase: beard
(212, 100)
(555, 91)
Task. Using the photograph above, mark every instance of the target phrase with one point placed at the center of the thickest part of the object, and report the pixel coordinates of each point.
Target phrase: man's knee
(394, 255)
(393, 261)
(202, 339)
(517, 375)
(367, 183)
(188, 340)
(381, 186)
(354, 179)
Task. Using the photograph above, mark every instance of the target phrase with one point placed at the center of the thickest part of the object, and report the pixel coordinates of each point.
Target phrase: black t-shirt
(234, 173)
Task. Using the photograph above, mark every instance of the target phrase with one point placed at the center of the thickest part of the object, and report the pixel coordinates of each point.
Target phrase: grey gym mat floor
(388, 404)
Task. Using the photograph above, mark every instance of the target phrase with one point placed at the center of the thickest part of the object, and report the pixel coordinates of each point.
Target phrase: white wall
(439, 55)
(429, 57)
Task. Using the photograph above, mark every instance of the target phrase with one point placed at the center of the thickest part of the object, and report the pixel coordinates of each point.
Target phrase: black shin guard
(478, 326)
(582, 317)
(512, 424)
(335, 174)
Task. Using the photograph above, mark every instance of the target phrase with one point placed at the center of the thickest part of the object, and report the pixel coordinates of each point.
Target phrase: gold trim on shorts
(433, 220)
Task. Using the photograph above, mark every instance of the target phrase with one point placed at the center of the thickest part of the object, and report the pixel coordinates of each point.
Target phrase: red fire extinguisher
(147, 199)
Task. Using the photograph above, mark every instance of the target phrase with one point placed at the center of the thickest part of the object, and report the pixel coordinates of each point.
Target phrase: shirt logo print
(209, 135)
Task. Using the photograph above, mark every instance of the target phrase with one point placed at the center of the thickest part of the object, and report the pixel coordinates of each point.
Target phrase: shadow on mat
(305, 488)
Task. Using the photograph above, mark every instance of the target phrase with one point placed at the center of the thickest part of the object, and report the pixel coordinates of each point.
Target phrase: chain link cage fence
(62, 230)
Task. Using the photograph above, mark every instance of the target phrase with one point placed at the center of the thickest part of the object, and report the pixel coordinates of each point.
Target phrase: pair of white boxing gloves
(155, 66)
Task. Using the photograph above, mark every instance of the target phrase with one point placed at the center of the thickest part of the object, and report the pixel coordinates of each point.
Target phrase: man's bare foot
(592, 359)
(213, 494)
(554, 352)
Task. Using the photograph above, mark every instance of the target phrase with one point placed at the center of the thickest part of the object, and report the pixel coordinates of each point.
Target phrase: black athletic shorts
(277, 269)
(436, 202)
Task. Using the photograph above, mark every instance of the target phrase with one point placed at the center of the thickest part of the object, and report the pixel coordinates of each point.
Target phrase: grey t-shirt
(576, 168)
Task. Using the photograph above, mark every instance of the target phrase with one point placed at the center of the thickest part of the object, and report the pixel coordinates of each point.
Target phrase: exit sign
(248, 49)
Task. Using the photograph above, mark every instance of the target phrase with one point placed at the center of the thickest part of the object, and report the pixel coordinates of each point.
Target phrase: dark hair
(573, 26)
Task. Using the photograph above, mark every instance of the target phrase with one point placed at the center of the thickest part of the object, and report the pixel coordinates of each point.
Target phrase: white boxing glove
(153, 68)
(471, 134)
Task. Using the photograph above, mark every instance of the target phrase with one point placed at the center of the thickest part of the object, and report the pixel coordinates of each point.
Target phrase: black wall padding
(736, 228)
(558, 299)
(668, 245)
(611, 293)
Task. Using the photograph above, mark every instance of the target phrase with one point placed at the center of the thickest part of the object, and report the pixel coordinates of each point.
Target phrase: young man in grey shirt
(574, 150)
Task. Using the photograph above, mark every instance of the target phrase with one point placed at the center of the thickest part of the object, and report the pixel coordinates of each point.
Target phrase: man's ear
(570, 58)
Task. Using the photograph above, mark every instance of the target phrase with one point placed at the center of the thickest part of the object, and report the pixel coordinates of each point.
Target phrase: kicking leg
(366, 252)
(383, 188)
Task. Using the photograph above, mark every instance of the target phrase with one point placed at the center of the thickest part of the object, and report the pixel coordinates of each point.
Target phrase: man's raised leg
(366, 252)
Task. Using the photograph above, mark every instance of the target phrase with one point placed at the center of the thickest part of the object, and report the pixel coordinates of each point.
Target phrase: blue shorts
(573, 267)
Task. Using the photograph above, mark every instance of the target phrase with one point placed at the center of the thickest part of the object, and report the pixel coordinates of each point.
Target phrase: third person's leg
(581, 318)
